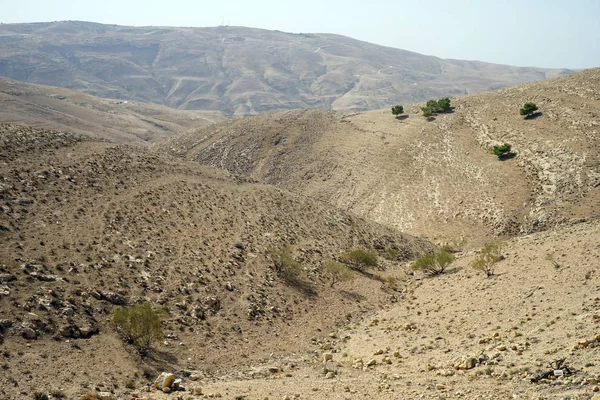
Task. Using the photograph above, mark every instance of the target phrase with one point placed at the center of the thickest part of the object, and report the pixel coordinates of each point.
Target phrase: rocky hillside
(239, 71)
(436, 178)
(86, 226)
(114, 120)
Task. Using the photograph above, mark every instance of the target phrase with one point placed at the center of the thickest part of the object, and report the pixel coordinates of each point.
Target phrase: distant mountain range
(237, 70)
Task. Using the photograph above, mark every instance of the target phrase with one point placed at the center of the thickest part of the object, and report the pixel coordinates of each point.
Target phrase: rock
(326, 346)
(114, 298)
(330, 375)
(4, 290)
(596, 397)
(105, 396)
(164, 380)
(468, 363)
(327, 357)
(177, 384)
(28, 333)
(371, 362)
(5, 324)
(501, 348)
(387, 360)
(88, 331)
(70, 331)
(166, 389)
(196, 390)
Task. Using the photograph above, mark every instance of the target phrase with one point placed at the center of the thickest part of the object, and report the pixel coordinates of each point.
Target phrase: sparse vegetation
(436, 106)
(502, 151)
(287, 268)
(528, 109)
(40, 396)
(489, 256)
(337, 272)
(397, 110)
(360, 259)
(138, 325)
(434, 263)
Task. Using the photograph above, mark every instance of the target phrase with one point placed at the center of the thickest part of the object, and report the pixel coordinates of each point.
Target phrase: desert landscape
(281, 255)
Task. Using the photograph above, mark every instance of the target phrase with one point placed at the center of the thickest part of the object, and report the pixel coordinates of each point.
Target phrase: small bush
(434, 263)
(58, 394)
(130, 384)
(528, 109)
(337, 272)
(360, 259)
(444, 104)
(40, 396)
(397, 110)
(488, 257)
(138, 325)
(287, 268)
(502, 151)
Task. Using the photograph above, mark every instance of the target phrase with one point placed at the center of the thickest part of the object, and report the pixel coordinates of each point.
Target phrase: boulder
(164, 380)
(105, 396)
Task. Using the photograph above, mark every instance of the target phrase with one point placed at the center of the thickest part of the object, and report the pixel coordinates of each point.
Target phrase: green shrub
(444, 104)
(337, 272)
(427, 112)
(138, 325)
(433, 263)
(528, 109)
(397, 110)
(488, 257)
(359, 259)
(502, 151)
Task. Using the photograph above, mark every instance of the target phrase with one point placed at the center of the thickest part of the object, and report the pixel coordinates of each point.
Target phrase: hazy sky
(543, 33)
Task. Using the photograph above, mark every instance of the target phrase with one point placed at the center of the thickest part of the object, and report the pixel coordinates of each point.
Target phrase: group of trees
(436, 106)
(438, 262)
(432, 107)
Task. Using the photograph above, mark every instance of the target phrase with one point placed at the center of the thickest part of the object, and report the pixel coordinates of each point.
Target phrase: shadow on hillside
(353, 296)
(430, 119)
(401, 117)
(159, 360)
(507, 156)
(534, 115)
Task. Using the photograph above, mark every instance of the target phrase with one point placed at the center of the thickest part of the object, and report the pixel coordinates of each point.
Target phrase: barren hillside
(114, 120)
(435, 178)
(86, 226)
(239, 71)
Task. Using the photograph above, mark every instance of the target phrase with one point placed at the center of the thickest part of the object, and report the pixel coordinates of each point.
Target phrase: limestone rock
(164, 380)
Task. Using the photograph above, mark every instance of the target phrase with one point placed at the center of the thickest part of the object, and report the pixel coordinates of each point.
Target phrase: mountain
(239, 71)
(435, 178)
(118, 121)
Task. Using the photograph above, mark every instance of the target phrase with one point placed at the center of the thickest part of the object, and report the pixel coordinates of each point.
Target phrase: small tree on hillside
(528, 109)
(489, 256)
(427, 112)
(444, 104)
(434, 263)
(138, 325)
(360, 259)
(397, 110)
(337, 272)
(502, 151)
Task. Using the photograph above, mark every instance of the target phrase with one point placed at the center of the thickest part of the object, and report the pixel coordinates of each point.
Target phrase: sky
(541, 33)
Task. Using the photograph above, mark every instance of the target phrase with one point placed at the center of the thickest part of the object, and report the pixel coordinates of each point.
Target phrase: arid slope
(436, 178)
(114, 120)
(86, 226)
